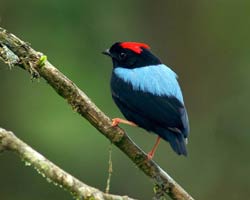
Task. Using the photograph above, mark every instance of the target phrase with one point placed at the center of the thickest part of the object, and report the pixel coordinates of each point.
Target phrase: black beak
(106, 52)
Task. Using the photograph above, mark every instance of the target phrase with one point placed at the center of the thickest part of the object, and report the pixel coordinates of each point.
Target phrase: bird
(148, 94)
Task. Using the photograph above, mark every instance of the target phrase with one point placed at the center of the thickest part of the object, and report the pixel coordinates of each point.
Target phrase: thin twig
(110, 169)
(30, 60)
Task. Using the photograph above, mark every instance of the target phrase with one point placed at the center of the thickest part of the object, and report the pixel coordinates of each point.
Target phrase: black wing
(150, 111)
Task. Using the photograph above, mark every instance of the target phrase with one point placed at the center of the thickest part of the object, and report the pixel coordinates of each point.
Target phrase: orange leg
(152, 152)
(117, 121)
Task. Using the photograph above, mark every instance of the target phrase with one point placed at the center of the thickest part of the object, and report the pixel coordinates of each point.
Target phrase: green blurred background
(206, 42)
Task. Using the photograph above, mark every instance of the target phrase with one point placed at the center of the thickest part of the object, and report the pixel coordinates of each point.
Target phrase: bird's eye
(122, 55)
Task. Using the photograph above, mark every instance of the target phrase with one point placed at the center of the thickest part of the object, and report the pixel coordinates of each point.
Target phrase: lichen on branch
(52, 173)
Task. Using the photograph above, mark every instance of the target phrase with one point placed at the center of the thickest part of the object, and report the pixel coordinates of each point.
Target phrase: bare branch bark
(8, 141)
(14, 51)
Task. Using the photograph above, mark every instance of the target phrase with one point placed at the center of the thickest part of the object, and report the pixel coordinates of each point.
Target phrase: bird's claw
(115, 122)
(150, 155)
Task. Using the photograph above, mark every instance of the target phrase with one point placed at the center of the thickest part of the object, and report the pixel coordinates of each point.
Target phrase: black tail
(176, 140)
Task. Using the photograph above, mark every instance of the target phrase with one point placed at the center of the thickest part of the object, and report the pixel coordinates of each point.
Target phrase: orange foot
(152, 152)
(117, 121)
(150, 155)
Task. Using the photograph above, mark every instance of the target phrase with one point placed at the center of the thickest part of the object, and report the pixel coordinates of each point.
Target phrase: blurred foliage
(206, 42)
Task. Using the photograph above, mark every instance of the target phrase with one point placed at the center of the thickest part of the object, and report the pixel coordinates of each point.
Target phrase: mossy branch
(34, 62)
(8, 141)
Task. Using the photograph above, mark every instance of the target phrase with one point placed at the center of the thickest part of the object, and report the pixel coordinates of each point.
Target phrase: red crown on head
(134, 46)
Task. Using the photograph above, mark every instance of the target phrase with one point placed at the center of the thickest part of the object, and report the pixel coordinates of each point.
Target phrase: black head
(131, 55)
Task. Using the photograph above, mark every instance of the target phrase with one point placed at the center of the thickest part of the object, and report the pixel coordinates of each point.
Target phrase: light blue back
(156, 79)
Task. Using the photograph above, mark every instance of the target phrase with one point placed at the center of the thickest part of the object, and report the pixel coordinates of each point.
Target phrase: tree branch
(8, 141)
(14, 51)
